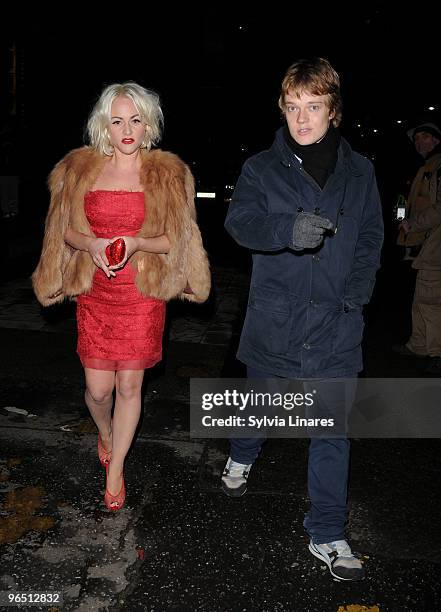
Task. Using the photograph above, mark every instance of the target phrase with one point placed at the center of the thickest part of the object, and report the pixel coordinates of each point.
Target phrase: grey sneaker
(234, 478)
(340, 560)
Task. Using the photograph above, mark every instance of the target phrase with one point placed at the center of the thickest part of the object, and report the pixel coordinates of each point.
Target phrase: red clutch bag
(116, 251)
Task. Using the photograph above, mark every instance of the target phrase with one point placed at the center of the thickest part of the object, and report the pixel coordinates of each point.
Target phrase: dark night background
(218, 72)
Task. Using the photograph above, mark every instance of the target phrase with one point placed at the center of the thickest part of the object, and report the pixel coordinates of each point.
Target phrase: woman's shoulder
(164, 162)
(79, 156)
(77, 162)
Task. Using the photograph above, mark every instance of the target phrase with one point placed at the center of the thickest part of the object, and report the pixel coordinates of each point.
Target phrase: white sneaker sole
(317, 554)
(234, 492)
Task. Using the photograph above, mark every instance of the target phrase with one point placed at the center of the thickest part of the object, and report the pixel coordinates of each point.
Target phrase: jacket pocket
(268, 321)
(348, 330)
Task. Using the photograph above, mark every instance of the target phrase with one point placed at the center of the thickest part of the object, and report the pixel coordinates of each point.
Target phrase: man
(423, 218)
(309, 209)
(426, 138)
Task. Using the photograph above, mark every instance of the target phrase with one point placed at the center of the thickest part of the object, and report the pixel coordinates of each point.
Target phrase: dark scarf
(319, 158)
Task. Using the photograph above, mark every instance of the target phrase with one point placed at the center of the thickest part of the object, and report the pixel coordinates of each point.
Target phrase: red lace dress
(118, 328)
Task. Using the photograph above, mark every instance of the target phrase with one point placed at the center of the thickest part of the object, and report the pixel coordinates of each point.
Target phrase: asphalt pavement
(179, 543)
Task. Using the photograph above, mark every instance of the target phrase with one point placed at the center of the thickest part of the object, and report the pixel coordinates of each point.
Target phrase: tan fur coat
(168, 184)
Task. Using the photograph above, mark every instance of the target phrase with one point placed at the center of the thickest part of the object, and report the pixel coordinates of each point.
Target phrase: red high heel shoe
(110, 499)
(103, 455)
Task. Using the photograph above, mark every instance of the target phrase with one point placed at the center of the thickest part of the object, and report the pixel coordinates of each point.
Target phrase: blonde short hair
(147, 104)
(317, 76)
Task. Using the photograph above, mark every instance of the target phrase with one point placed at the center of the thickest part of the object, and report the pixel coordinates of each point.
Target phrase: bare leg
(125, 420)
(98, 397)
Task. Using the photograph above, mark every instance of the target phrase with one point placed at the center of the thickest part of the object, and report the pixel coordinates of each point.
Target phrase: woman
(119, 188)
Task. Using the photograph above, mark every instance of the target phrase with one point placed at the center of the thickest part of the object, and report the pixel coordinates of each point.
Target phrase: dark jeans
(328, 464)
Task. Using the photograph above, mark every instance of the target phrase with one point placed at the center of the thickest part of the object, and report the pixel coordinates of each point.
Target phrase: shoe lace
(342, 548)
(238, 469)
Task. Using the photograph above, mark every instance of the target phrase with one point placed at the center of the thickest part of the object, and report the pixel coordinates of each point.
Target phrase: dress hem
(114, 365)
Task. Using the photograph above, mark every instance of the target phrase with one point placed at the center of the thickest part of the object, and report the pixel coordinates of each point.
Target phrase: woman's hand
(97, 250)
(131, 246)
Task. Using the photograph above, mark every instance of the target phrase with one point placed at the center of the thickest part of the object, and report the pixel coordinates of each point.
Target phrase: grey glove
(308, 231)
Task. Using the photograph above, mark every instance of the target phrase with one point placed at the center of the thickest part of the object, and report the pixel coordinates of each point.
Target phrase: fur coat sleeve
(183, 272)
(47, 279)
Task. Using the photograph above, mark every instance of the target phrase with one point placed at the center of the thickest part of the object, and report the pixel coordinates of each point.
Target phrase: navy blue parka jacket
(304, 316)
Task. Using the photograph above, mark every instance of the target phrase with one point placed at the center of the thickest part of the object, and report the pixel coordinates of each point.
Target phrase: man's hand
(309, 230)
(405, 226)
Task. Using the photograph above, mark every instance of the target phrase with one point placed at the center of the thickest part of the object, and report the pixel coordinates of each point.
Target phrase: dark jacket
(304, 315)
(422, 197)
(429, 221)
